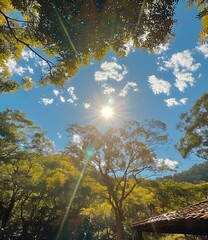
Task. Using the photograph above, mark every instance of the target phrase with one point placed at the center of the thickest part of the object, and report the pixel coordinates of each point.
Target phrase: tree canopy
(194, 124)
(117, 157)
(19, 135)
(71, 34)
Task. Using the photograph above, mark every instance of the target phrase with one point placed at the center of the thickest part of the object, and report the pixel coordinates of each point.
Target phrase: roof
(189, 220)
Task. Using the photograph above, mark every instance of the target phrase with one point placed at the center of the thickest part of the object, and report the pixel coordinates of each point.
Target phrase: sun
(107, 112)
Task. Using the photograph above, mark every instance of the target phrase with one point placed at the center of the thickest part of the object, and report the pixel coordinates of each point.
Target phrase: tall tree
(19, 135)
(74, 32)
(117, 157)
(194, 124)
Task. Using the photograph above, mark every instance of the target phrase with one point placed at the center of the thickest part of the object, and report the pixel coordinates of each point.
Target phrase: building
(189, 220)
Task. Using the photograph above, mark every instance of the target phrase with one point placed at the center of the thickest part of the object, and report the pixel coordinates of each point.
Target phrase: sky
(140, 86)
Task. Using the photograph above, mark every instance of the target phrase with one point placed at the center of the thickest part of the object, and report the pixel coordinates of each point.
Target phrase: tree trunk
(7, 213)
(6, 217)
(119, 225)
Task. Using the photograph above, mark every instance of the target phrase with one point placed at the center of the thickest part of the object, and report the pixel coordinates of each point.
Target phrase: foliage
(19, 136)
(195, 126)
(72, 34)
(117, 157)
(203, 15)
(36, 187)
(196, 174)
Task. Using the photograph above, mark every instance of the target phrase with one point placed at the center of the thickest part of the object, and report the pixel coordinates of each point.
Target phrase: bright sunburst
(107, 112)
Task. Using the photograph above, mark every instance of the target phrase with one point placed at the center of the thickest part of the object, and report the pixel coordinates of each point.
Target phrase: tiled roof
(196, 212)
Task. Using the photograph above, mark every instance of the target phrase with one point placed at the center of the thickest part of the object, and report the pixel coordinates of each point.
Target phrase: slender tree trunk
(7, 214)
(6, 217)
(119, 224)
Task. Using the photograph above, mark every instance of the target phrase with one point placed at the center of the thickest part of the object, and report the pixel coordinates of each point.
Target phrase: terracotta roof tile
(196, 211)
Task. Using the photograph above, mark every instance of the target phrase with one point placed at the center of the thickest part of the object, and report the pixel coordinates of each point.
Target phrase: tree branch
(50, 64)
(21, 21)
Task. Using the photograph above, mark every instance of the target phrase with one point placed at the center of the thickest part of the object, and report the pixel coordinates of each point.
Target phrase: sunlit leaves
(195, 125)
(73, 34)
(28, 83)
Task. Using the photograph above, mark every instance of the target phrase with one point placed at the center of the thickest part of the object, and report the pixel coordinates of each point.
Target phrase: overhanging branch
(50, 64)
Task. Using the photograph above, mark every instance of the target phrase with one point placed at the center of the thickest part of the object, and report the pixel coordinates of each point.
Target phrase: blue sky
(140, 86)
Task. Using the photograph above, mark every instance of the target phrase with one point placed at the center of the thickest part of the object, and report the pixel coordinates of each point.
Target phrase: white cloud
(70, 100)
(183, 67)
(182, 60)
(166, 164)
(183, 100)
(59, 135)
(108, 89)
(173, 102)
(123, 92)
(27, 54)
(30, 70)
(110, 70)
(183, 79)
(62, 99)
(159, 85)
(43, 65)
(203, 48)
(46, 101)
(73, 96)
(14, 68)
(86, 105)
(56, 92)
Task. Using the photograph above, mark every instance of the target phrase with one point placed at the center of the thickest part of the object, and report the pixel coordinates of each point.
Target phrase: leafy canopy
(74, 33)
(195, 126)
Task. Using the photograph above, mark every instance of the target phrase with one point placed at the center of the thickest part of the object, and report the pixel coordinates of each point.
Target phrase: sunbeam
(89, 154)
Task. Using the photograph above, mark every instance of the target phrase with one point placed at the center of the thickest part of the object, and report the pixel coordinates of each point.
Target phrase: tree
(34, 196)
(117, 157)
(195, 126)
(19, 135)
(203, 16)
(74, 33)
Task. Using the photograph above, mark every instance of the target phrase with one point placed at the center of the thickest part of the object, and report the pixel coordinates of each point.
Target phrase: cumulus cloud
(110, 70)
(62, 99)
(46, 101)
(30, 70)
(43, 65)
(86, 105)
(14, 68)
(56, 92)
(159, 85)
(73, 96)
(173, 102)
(27, 54)
(108, 89)
(123, 92)
(166, 164)
(203, 48)
(183, 100)
(183, 65)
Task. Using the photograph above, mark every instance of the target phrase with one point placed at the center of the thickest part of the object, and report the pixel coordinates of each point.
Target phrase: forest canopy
(66, 35)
